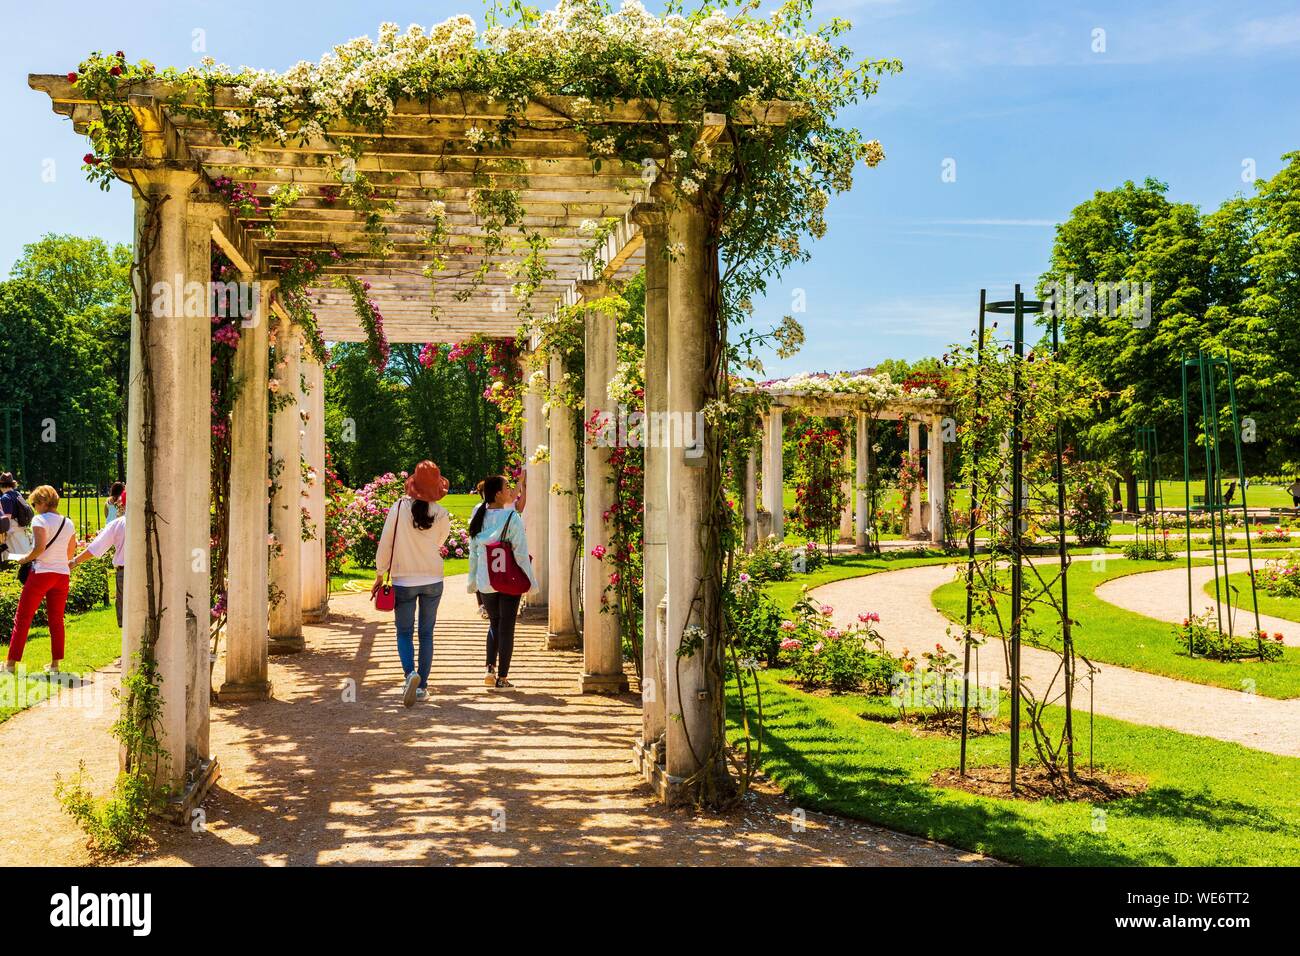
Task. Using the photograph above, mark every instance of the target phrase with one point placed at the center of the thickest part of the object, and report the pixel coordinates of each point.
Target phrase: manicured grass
(785, 593)
(462, 506)
(93, 639)
(1283, 607)
(1208, 803)
(366, 576)
(1111, 635)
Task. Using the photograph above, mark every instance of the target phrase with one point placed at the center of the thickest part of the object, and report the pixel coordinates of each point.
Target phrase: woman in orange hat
(410, 554)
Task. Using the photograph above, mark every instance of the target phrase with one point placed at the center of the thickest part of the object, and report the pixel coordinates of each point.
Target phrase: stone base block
(287, 645)
(561, 642)
(180, 810)
(604, 684)
(317, 615)
(232, 693)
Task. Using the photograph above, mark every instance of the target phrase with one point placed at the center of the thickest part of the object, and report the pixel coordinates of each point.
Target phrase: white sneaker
(409, 692)
(421, 694)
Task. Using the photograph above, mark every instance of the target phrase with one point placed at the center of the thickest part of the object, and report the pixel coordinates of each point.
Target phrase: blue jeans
(427, 596)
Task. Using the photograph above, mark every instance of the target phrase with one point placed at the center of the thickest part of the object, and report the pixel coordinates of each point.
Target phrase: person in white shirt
(112, 536)
(410, 554)
(56, 540)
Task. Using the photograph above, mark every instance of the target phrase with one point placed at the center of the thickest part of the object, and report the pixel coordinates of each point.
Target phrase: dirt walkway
(541, 775)
(908, 619)
(1163, 595)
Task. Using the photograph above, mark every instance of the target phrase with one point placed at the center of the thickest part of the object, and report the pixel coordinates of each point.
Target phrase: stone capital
(589, 289)
(172, 176)
(651, 217)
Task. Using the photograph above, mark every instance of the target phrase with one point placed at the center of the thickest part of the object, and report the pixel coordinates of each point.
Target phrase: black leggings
(502, 610)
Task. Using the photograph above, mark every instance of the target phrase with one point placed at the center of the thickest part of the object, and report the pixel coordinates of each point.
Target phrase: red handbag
(386, 596)
(504, 573)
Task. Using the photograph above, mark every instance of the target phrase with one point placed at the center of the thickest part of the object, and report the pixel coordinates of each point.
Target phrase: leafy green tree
(88, 278)
(52, 380)
(1268, 334)
(1135, 234)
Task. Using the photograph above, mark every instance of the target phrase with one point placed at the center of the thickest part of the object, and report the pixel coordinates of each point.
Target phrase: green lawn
(366, 576)
(1208, 803)
(1112, 635)
(1284, 607)
(785, 593)
(93, 640)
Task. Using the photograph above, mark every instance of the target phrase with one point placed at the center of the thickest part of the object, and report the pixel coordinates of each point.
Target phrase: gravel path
(909, 620)
(541, 775)
(1163, 596)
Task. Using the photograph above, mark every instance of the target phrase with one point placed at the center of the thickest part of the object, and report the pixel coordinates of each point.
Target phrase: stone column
(750, 480)
(602, 650)
(200, 217)
(914, 526)
(934, 479)
(536, 513)
(692, 585)
(562, 506)
(247, 610)
(861, 476)
(774, 470)
(286, 502)
(654, 227)
(846, 513)
(167, 468)
(315, 578)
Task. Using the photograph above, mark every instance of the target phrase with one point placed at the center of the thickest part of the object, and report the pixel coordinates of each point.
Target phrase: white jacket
(417, 559)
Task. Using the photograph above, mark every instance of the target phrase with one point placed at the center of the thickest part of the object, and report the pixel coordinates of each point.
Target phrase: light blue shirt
(493, 524)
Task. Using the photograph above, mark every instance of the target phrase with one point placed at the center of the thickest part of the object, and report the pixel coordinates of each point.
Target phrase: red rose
(72, 77)
(90, 159)
(116, 71)
(120, 55)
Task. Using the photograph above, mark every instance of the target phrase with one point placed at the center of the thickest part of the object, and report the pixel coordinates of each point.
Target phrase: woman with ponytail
(496, 520)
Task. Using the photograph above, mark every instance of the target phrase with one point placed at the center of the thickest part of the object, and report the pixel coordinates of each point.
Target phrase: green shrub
(1148, 551)
(10, 592)
(840, 660)
(756, 620)
(88, 587)
(1201, 636)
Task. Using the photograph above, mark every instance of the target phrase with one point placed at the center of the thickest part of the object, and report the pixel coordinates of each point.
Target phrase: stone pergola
(425, 152)
(766, 477)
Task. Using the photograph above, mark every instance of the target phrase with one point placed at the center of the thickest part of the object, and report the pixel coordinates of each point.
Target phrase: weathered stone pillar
(914, 525)
(562, 505)
(861, 476)
(247, 610)
(654, 227)
(200, 217)
(692, 585)
(315, 578)
(846, 512)
(774, 470)
(537, 513)
(286, 501)
(750, 479)
(934, 479)
(168, 469)
(602, 649)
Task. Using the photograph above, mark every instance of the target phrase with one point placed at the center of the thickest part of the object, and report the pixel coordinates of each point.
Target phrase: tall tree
(88, 278)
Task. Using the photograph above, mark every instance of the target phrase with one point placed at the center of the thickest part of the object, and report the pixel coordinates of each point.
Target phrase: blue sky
(1013, 92)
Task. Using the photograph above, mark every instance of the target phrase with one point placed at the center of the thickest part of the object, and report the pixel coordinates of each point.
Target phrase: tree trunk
(1131, 491)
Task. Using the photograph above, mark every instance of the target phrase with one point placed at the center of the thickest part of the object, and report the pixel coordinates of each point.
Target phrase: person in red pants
(56, 541)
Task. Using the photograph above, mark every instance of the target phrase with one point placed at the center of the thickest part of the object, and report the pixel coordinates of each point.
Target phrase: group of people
(409, 559)
(44, 545)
